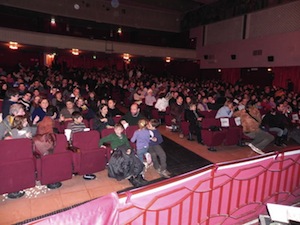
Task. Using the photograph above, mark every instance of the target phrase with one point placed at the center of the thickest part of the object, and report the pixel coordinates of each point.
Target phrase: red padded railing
(231, 193)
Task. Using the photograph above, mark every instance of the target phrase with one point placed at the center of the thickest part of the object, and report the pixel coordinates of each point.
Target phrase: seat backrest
(107, 131)
(208, 122)
(86, 140)
(233, 123)
(91, 123)
(86, 123)
(209, 114)
(61, 143)
(117, 119)
(130, 130)
(16, 149)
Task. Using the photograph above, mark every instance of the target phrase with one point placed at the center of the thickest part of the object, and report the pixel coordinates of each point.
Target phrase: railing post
(211, 186)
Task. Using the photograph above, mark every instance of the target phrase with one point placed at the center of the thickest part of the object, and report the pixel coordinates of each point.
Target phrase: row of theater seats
(227, 131)
(20, 169)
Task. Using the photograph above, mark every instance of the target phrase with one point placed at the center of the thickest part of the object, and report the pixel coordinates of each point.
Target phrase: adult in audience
(47, 125)
(21, 129)
(251, 121)
(177, 114)
(25, 101)
(133, 116)
(6, 124)
(102, 120)
(112, 109)
(226, 110)
(12, 97)
(277, 122)
(149, 102)
(41, 111)
(58, 101)
(93, 101)
(195, 120)
(66, 112)
(86, 112)
(202, 105)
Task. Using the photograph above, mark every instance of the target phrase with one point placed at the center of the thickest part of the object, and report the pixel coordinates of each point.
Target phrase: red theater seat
(90, 158)
(17, 169)
(56, 167)
(211, 137)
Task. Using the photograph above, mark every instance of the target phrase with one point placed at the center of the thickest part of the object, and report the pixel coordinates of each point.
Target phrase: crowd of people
(33, 94)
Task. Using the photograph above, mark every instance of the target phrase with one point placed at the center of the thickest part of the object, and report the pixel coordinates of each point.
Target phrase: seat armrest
(73, 149)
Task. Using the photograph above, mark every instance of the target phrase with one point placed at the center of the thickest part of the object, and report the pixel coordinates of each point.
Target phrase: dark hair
(51, 110)
(76, 114)
(119, 125)
(11, 92)
(154, 122)
(18, 122)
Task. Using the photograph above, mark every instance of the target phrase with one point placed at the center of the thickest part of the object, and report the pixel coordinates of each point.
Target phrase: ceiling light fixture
(13, 45)
(75, 51)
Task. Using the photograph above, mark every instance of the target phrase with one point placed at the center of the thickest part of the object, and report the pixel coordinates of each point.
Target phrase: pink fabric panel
(101, 211)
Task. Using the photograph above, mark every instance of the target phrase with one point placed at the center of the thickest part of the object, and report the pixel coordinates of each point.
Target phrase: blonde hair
(142, 123)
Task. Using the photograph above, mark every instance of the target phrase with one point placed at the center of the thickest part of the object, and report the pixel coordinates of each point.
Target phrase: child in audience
(21, 129)
(117, 139)
(123, 164)
(77, 125)
(142, 139)
(158, 155)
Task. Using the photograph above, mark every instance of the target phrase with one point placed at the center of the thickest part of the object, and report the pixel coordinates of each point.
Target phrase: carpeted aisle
(180, 160)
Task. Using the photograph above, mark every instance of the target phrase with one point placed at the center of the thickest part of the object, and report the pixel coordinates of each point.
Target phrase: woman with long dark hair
(103, 120)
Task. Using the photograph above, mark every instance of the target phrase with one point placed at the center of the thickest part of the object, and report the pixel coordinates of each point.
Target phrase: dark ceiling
(182, 6)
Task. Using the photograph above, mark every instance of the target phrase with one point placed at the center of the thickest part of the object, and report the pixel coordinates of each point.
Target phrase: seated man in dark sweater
(177, 114)
(133, 116)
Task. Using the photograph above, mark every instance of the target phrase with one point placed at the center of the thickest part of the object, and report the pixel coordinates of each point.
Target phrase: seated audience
(77, 125)
(226, 110)
(116, 139)
(251, 121)
(112, 109)
(133, 116)
(41, 111)
(194, 118)
(102, 120)
(93, 101)
(66, 112)
(21, 129)
(276, 121)
(7, 122)
(58, 101)
(86, 112)
(202, 105)
(25, 101)
(12, 97)
(177, 114)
